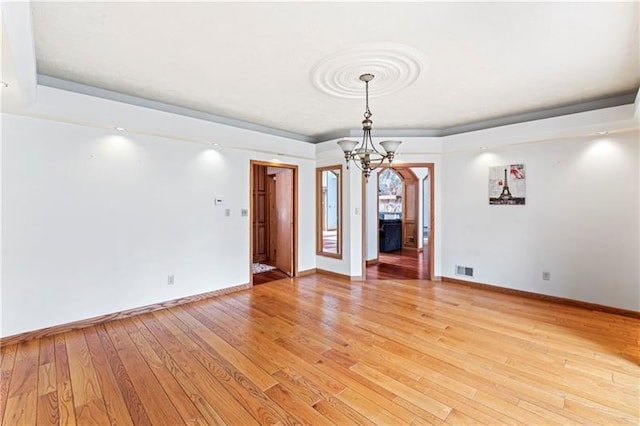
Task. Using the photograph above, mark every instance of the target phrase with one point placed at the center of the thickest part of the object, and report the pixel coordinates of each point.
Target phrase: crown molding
(71, 86)
(590, 105)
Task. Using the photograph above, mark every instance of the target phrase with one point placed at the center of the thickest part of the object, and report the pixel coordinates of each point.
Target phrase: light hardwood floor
(321, 350)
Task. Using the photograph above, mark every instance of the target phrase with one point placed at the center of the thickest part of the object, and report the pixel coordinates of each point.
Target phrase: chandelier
(366, 156)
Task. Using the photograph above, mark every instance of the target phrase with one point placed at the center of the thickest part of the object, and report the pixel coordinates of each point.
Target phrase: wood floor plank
(46, 378)
(47, 350)
(198, 398)
(113, 398)
(6, 370)
(186, 354)
(48, 413)
(378, 414)
(340, 413)
(425, 402)
(157, 404)
(131, 398)
(238, 360)
(47, 369)
(181, 401)
(365, 390)
(276, 354)
(21, 409)
(87, 392)
(324, 350)
(292, 404)
(22, 396)
(83, 377)
(64, 392)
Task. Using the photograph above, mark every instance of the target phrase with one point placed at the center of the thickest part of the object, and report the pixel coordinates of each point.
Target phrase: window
(389, 195)
(329, 211)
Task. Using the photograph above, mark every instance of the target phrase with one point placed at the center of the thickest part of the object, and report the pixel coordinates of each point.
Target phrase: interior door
(259, 214)
(284, 215)
(272, 241)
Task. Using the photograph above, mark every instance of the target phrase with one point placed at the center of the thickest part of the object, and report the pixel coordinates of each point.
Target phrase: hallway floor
(267, 277)
(401, 264)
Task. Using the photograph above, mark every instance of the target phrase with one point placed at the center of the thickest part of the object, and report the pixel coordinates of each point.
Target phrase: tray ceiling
(294, 66)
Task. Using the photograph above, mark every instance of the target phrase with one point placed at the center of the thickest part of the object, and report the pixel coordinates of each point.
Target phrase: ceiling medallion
(395, 66)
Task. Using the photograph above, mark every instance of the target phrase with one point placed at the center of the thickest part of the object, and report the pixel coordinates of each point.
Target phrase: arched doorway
(403, 193)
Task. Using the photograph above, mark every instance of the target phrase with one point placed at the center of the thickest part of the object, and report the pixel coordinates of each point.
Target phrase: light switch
(227, 212)
(244, 212)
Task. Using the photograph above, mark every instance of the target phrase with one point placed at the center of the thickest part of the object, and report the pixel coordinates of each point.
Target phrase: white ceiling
(462, 62)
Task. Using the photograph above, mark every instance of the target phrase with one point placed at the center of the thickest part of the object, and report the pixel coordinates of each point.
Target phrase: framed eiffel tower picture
(507, 184)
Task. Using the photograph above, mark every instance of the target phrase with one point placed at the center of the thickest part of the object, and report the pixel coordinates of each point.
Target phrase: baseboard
(373, 261)
(338, 275)
(548, 298)
(306, 272)
(76, 325)
(436, 278)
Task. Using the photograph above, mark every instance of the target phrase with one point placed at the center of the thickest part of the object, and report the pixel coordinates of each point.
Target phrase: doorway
(412, 258)
(273, 224)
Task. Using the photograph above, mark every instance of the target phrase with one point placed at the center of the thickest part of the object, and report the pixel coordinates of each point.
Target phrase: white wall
(95, 220)
(580, 221)
(371, 226)
(421, 173)
(1, 226)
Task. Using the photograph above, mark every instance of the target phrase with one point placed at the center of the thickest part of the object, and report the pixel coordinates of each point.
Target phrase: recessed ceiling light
(215, 144)
(603, 133)
(120, 129)
(4, 84)
(484, 147)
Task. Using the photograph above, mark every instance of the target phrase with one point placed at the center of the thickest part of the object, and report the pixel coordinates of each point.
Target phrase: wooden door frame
(294, 169)
(430, 245)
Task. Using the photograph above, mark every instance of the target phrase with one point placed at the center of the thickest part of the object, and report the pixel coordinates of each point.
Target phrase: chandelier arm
(373, 146)
(356, 162)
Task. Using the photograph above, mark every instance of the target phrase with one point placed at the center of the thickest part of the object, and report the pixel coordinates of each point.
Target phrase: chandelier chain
(367, 111)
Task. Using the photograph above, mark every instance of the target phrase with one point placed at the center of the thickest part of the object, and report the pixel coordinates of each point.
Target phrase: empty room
(320, 213)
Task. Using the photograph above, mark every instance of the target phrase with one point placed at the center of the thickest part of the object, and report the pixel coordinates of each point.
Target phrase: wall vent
(465, 271)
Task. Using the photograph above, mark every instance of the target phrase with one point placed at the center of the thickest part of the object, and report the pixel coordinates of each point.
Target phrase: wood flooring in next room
(400, 264)
(322, 350)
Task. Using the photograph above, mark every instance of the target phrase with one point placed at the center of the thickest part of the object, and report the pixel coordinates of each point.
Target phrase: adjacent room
(320, 213)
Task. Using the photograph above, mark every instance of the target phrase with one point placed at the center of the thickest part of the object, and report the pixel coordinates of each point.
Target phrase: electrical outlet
(171, 280)
(546, 276)
(244, 212)
(227, 212)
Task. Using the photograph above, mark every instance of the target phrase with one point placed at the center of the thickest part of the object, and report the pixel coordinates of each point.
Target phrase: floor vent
(465, 271)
